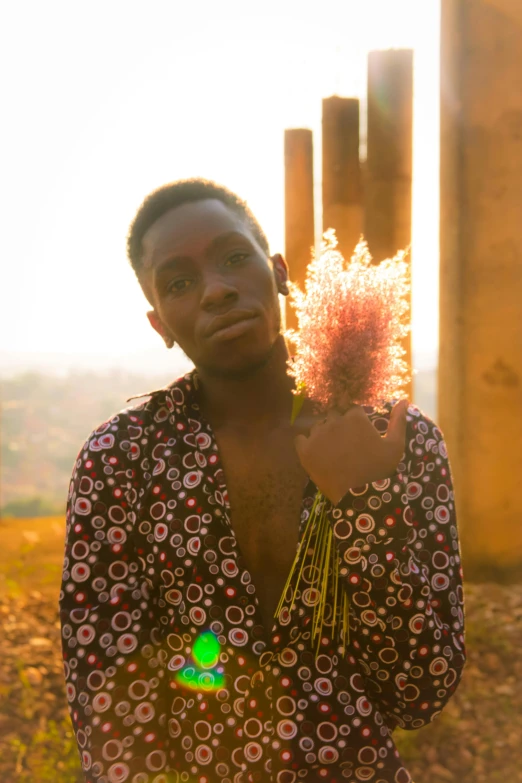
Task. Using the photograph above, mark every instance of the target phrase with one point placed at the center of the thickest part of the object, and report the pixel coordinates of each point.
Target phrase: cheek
(267, 291)
(179, 320)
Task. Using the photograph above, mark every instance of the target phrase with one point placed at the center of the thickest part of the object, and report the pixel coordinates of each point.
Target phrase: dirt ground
(477, 739)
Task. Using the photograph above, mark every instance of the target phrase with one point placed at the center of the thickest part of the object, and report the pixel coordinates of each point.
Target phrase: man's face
(213, 289)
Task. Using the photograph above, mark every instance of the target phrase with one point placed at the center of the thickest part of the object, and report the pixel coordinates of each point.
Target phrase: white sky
(106, 100)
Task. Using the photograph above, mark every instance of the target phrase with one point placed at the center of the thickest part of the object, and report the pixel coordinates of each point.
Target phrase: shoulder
(129, 429)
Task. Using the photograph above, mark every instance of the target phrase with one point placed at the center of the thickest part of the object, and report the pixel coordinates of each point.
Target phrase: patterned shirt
(170, 673)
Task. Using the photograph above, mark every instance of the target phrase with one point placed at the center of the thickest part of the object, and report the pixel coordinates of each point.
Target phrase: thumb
(301, 444)
(397, 424)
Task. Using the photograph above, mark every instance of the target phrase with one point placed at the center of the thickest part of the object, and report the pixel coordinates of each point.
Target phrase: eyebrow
(218, 241)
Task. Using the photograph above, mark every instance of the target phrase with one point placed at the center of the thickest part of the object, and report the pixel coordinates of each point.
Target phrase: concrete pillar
(299, 207)
(341, 182)
(480, 359)
(389, 165)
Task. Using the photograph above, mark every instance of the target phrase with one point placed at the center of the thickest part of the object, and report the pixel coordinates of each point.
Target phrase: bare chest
(265, 482)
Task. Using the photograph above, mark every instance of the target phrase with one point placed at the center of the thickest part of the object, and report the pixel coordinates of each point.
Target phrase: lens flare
(206, 650)
(205, 656)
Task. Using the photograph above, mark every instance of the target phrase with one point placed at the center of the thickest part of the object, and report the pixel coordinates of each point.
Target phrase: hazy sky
(104, 101)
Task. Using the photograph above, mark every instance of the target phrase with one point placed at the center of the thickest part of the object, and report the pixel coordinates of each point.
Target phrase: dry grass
(475, 740)
(31, 555)
(36, 739)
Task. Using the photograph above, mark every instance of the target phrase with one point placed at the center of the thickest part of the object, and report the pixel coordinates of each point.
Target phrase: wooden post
(342, 197)
(388, 185)
(299, 207)
(480, 354)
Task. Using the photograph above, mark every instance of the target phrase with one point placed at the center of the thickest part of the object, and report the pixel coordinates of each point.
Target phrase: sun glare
(103, 113)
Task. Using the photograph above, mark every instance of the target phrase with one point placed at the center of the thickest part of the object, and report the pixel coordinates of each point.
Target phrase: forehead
(189, 229)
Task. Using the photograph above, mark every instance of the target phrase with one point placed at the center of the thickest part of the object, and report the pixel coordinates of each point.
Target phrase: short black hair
(181, 192)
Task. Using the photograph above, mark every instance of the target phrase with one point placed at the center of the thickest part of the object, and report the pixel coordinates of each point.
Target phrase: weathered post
(341, 182)
(388, 183)
(299, 207)
(480, 354)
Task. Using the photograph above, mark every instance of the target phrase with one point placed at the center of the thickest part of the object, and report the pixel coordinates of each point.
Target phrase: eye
(178, 285)
(236, 258)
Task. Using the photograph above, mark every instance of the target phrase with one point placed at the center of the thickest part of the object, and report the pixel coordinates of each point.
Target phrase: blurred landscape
(46, 418)
(45, 421)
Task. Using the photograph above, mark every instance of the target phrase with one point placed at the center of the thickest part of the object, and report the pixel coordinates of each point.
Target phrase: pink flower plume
(352, 318)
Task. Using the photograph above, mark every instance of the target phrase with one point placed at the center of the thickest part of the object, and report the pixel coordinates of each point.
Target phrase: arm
(111, 640)
(404, 580)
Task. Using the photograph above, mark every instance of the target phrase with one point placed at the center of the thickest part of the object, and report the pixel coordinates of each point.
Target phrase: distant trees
(45, 420)
(32, 507)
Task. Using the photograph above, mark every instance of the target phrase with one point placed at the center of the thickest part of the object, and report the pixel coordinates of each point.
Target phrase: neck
(259, 397)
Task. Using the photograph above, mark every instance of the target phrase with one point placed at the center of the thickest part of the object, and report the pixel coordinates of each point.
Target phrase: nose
(217, 292)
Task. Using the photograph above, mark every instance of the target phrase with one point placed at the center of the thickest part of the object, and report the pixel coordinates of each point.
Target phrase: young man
(184, 516)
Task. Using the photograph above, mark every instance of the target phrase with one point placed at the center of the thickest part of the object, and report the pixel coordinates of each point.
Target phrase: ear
(280, 273)
(158, 326)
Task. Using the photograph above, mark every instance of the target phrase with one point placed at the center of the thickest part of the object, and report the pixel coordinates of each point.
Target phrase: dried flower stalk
(352, 317)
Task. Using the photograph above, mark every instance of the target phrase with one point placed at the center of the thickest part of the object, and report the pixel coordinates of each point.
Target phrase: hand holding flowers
(345, 450)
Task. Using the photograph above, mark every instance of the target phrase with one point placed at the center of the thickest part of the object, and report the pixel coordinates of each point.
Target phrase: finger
(305, 425)
(301, 443)
(398, 423)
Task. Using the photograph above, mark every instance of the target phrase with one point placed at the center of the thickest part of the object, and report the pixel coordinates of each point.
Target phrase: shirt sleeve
(111, 640)
(401, 566)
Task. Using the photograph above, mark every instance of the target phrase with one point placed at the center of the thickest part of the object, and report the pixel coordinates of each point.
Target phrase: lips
(222, 322)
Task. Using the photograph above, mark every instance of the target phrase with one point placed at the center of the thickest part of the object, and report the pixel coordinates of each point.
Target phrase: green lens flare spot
(188, 679)
(200, 680)
(210, 682)
(205, 654)
(206, 650)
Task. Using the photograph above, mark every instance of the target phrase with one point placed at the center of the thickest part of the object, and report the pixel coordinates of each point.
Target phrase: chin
(235, 363)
